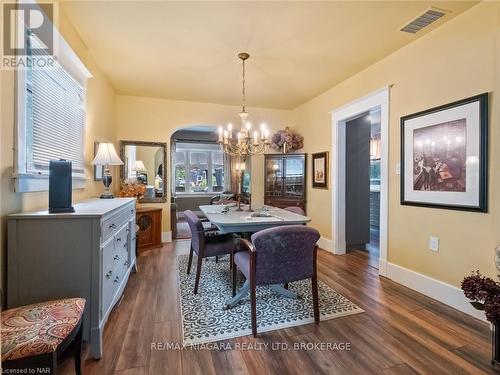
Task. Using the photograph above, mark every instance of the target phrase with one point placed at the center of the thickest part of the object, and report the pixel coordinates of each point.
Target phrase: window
(375, 175)
(198, 168)
(50, 118)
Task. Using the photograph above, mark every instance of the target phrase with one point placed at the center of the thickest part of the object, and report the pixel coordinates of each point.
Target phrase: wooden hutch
(285, 180)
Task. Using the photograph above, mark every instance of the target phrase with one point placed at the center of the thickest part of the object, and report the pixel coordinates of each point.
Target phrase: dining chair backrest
(197, 231)
(295, 210)
(284, 254)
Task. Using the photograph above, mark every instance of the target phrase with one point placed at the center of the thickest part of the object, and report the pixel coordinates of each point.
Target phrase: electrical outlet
(434, 244)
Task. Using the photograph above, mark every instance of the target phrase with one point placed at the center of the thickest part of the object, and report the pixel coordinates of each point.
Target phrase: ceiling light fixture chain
(243, 98)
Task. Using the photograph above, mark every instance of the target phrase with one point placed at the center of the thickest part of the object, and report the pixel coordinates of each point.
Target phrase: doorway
(376, 104)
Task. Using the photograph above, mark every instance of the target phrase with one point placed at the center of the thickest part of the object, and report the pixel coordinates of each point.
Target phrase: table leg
(242, 293)
(284, 292)
(239, 296)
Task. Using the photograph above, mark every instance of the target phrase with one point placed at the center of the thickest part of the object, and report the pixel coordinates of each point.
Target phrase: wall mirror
(144, 164)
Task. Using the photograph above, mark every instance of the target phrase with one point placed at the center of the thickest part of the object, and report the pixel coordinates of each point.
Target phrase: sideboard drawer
(121, 236)
(111, 224)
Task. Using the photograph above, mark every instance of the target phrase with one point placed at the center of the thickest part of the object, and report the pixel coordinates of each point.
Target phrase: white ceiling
(187, 50)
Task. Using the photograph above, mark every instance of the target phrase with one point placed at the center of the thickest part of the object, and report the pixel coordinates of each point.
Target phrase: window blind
(55, 117)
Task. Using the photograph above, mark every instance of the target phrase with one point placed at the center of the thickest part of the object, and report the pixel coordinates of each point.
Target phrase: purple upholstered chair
(295, 210)
(278, 256)
(205, 243)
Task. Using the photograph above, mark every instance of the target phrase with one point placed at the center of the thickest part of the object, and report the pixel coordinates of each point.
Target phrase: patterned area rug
(204, 319)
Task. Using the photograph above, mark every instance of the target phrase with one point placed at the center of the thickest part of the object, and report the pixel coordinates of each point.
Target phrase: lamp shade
(106, 155)
(139, 166)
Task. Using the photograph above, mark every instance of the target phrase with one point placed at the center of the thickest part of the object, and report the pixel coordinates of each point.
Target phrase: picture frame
(444, 154)
(98, 169)
(320, 168)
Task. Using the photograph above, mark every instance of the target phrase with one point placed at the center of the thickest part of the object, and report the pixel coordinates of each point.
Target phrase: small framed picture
(320, 170)
(444, 156)
(98, 169)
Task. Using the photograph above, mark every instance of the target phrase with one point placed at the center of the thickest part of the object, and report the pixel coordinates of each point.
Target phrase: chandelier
(246, 142)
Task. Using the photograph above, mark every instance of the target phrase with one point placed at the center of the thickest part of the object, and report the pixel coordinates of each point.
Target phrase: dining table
(229, 219)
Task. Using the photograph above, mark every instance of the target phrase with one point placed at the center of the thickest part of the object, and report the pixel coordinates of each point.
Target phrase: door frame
(340, 116)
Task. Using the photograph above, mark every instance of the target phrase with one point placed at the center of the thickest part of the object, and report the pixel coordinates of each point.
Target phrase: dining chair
(295, 210)
(206, 243)
(278, 255)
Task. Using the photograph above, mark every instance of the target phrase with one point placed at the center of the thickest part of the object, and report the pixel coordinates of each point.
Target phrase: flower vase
(285, 147)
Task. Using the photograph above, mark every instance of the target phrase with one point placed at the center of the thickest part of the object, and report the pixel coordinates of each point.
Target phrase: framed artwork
(98, 169)
(320, 170)
(444, 156)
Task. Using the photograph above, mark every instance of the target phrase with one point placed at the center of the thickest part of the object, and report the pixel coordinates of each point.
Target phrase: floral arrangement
(287, 140)
(132, 189)
(484, 294)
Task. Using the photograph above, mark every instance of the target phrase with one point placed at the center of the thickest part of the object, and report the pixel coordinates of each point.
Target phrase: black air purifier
(60, 186)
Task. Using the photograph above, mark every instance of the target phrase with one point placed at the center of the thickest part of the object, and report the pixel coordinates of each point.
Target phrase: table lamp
(139, 167)
(106, 156)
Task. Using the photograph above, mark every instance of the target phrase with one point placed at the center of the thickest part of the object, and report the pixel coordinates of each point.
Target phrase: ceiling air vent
(424, 20)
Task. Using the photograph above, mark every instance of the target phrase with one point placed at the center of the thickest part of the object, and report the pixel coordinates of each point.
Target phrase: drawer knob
(126, 264)
(119, 239)
(116, 257)
(109, 274)
(116, 280)
(112, 226)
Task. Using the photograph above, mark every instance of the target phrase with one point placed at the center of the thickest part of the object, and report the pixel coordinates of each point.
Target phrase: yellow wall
(154, 120)
(100, 126)
(455, 61)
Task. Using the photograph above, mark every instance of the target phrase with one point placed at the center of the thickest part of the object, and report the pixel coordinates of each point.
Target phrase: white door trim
(340, 116)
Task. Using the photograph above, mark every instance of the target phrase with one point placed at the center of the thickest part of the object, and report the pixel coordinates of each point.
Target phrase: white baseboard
(325, 244)
(438, 290)
(166, 236)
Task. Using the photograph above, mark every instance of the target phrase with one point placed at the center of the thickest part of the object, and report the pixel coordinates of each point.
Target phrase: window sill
(26, 183)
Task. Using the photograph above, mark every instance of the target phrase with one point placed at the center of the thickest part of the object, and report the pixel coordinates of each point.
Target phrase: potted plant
(484, 294)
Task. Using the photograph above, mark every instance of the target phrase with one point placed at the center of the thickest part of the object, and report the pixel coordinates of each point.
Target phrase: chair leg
(198, 273)
(253, 304)
(190, 260)
(286, 286)
(233, 277)
(78, 351)
(314, 284)
(216, 259)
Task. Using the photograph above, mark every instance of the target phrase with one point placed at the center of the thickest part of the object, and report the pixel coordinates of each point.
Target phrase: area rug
(204, 319)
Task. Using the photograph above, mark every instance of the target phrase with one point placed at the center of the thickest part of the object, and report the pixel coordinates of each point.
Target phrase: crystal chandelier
(246, 143)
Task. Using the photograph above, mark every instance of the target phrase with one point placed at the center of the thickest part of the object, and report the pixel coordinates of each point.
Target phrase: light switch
(398, 168)
(434, 243)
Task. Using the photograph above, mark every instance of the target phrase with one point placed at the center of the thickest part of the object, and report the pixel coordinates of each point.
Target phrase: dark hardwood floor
(402, 331)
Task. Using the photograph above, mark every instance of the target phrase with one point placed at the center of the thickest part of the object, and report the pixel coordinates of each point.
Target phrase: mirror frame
(123, 144)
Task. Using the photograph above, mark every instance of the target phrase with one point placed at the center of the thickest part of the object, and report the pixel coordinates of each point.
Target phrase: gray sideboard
(89, 253)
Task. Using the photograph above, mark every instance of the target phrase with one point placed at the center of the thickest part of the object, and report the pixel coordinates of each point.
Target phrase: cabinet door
(295, 176)
(107, 253)
(274, 176)
(132, 241)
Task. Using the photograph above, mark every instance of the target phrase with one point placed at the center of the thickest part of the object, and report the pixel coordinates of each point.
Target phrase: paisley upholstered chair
(206, 243)
(278, 256)
(33, 336)
(295, 210)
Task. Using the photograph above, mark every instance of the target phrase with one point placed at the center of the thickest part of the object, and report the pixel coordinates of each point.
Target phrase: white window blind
(55, 118)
